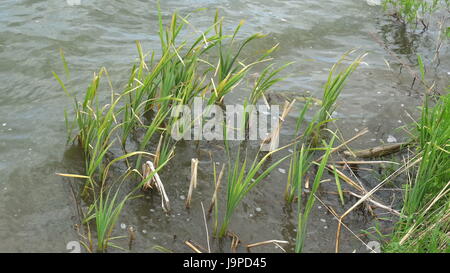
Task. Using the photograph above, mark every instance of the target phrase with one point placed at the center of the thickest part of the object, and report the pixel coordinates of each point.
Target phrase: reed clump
(142, 110)
(424, 224)
(241, 179)
(313, 133)
(308, 144)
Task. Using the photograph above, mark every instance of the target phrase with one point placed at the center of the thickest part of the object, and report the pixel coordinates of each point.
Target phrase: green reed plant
(180, 78)
(215, 199)
(155, 86)
(335, 84)
(142, 92)
(226, 85)
(228, 58)
(108, 205)
(301, 161)
(303, 214)
(159, 86)
(96, 125)
(229, 70)
(151, 129)
(434, 141)
(299, 165)
(138, 88)
(267, 78)
(106, 211)
(173, 80)
(241, 179)
(302, 158)
(425, 220)
(165, 149)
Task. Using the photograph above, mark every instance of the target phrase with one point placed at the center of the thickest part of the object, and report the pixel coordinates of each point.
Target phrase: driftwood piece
(378, 151)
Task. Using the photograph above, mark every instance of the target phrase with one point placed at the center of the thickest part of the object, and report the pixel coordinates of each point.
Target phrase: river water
(37, 208)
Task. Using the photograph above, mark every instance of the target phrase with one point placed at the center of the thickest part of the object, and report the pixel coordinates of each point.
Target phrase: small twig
(206, 227)
(279, 246)
(362, 186)
(344, 162)
(275, 242)
(331, 210)
(189, 244)
(344, 177)
(393, 211)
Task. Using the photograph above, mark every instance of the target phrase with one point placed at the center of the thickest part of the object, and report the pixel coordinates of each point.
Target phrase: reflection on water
(401, 40)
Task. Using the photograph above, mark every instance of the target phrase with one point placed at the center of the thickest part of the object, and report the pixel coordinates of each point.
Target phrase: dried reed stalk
(206, 228)
(149, 168)
(193, 183)
(275, 242)
(234, 240)
(370, 193)
(216, 189)
(194, 248)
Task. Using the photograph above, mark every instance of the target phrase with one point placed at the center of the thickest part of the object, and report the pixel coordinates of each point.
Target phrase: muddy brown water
(37, 208)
